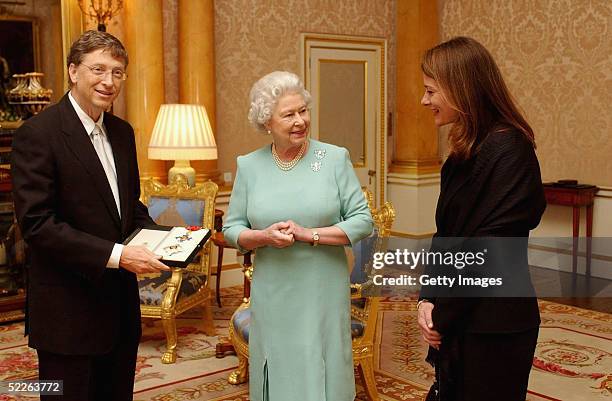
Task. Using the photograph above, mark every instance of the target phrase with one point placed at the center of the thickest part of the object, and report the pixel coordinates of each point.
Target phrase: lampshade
(182, 132)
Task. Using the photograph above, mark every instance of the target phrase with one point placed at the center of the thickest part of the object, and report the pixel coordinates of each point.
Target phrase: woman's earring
(269, 132)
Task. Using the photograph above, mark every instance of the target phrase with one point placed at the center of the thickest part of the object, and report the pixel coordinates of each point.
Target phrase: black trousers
(485, 367)
(92, 377)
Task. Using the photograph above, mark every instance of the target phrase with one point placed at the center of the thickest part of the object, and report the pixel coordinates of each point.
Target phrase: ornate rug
(573, 359)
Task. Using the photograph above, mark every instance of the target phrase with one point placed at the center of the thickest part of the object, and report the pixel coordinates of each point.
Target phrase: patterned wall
(556, 56)
(254, 37)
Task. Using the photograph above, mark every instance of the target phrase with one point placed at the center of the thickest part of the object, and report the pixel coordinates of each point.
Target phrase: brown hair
(472, 84)
(91, 41)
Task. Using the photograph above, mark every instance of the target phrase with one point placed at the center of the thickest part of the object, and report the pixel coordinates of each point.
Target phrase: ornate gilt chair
(364, 309)
(168, 294)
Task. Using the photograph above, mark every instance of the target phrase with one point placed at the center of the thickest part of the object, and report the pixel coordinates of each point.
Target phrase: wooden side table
(576, 197)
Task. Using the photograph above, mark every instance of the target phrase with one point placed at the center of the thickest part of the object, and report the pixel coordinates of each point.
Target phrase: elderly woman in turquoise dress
(298, 202)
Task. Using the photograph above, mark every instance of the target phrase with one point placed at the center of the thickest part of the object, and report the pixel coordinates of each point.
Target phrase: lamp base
(182, 167)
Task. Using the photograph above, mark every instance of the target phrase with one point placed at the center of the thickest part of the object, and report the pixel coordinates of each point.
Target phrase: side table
(576, 197)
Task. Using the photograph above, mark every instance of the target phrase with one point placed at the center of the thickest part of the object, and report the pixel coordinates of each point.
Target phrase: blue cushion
(152, 289)
(363, 252)
(169, 211)
(241, 321)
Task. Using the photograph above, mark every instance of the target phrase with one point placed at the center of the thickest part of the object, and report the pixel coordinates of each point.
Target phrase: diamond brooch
(319, 154)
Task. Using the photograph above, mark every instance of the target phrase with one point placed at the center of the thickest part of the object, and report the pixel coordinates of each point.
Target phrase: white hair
(265, 93)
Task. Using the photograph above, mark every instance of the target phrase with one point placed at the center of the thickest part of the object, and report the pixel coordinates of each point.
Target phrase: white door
(346, 79)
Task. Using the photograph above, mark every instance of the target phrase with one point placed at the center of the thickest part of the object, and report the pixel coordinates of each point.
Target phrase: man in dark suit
(76, 190)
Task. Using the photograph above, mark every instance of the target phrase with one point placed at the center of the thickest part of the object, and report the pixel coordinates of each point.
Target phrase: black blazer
(497, 192)
(68, 217)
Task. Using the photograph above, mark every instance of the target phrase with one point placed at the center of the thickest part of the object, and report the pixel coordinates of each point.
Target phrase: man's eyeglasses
(101, 71)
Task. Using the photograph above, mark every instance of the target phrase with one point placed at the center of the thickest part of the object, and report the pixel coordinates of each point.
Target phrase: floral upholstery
(152, 289)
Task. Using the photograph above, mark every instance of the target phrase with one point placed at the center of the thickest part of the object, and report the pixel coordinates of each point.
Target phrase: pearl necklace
(286, 166)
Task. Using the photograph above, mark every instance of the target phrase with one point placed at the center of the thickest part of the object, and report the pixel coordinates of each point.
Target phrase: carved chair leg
(240, 375)
(169, 325)
(207, 317)
(366, 370)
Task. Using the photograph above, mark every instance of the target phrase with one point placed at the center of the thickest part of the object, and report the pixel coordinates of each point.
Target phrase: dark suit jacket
(68, 216)
(496, 193)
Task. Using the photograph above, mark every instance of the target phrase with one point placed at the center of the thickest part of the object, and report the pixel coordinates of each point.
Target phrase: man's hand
(431, 336)
(139, 259)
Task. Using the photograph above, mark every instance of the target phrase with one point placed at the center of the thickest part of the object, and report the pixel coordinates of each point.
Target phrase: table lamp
(182, 132)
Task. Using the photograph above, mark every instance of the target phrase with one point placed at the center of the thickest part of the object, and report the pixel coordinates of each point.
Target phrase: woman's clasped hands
(276, 235)
(285, 233)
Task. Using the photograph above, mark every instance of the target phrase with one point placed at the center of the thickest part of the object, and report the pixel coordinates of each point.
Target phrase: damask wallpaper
(556, 57)
(254, 37)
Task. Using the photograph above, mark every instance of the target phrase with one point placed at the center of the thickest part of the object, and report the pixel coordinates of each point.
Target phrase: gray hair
(91, 41)
(266, 92)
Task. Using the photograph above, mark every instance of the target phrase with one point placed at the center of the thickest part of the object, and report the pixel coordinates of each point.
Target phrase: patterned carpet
(573, 359)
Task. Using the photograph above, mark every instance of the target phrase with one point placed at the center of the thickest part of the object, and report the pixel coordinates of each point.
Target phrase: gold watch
(315, 238)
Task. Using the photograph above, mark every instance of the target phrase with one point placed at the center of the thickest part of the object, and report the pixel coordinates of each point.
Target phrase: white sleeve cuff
(115, 257)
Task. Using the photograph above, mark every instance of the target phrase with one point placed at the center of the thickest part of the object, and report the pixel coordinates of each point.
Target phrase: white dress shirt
(105, 154)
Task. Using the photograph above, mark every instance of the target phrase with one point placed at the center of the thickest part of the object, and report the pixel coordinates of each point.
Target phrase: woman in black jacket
(482, 348)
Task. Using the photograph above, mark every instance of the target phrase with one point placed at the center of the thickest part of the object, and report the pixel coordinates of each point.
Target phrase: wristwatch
(315, 238)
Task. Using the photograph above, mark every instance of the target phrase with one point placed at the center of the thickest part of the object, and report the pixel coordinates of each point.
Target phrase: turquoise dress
(300, 336)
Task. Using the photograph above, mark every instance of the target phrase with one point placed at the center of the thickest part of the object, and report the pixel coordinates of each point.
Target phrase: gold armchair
(364, 309)
(168, 294)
